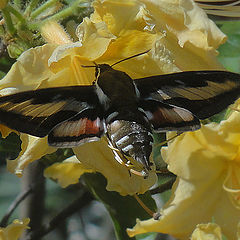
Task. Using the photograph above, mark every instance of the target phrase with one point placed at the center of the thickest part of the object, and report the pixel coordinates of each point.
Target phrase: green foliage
(229, 52)
(123, 210)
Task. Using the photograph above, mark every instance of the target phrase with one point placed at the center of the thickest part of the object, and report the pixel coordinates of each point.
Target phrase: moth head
(99, 69)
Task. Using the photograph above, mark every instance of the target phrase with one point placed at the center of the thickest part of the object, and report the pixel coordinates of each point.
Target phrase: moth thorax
(132, 140)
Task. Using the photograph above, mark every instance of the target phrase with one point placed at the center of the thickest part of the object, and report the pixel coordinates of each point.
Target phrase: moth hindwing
(126, 110)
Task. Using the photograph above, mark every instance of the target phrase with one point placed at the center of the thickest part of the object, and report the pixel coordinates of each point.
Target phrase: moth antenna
(96, 67)
(154, 215)
(136, 55)
(89, 66)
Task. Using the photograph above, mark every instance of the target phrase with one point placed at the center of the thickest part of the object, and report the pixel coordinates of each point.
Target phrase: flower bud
(53, 32)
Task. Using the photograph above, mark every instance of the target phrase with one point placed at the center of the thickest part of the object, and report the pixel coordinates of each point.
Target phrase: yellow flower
(14, 230)
(180, 37)
(67, 172)
(210, 231)
(207, 165)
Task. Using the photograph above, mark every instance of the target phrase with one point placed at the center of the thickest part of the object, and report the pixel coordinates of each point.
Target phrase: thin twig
(149, 211)
(21, 196)
(163, 187)
(61, 216)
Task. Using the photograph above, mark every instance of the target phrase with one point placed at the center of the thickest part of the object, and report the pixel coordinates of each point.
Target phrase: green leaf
(229, 52)
(123, 210)
(146, 236)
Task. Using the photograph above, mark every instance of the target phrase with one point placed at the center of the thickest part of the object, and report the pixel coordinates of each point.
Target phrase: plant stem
(17, 3)
(60, 15)
(149, 211)
(65, 12)
(32, 5)
(42, 8)
(14, 205)
(15, 12)
(8, 21)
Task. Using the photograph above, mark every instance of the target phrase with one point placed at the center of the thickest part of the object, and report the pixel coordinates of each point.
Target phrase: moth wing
(204, 93)
(38, 112)
(164, 117)
(84, 127)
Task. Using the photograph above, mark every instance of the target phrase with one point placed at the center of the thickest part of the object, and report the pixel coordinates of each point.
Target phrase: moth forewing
(126, 110)
(203, 93)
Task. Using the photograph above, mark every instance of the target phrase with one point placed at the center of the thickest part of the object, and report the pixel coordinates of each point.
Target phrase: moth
(126, 110)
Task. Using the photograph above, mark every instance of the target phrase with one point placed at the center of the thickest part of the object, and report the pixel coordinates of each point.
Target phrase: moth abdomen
(133, 140)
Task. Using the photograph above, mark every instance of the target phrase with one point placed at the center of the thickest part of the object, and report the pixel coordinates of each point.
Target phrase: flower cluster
(180, 37)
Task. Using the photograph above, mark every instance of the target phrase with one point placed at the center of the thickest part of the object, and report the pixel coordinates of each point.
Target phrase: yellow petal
(185, 38)
(232, 183)
(190, 35)
(14, 230)
(99, 157)
(66, 173)
(33, 148)
(93, 34)
(207, 143)
(208, 231)
(191, 204)
(5, 131)
(30, 70)
(121, 16)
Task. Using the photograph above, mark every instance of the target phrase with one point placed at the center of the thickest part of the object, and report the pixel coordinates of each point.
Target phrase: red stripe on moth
(88, 127)
(83, 126)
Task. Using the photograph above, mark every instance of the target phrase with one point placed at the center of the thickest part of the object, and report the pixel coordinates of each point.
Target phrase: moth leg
(113, 148)
(168, 140)
(123, 160)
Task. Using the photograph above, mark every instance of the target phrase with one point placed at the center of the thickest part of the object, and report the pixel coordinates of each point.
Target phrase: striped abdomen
(132, 139)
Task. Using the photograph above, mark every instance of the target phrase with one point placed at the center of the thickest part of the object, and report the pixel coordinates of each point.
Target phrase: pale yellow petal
(95, 38)
(69, 72)
(122, 16)
(30, 70)
(14, 230)
(232, 182)
(99, 157)
(66, 173)
(185, 17)
(33, 148)
(5, 131)
(192, 203)
(190, 35)
(185, 38)
(210, 231)
(229, 130)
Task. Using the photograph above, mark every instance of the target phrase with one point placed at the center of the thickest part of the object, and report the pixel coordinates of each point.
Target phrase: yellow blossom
(180, 37)
(14, 230)
(207, 165)
(210, 231)
(67, 172)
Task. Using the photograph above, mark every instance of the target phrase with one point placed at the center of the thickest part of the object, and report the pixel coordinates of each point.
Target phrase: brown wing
(38, 112)
(204, 93)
